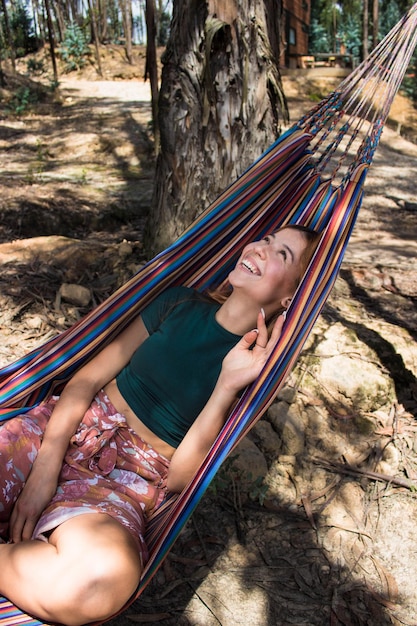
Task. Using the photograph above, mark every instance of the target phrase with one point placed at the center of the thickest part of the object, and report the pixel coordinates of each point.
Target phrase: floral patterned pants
(107, 468)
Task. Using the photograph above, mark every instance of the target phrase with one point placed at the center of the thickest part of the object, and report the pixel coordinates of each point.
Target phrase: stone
(249, 464)
(289, 424)
(124, 249)
(346, 369)
(266, 438)
(288, 394)
(75, 294)
(34, 322)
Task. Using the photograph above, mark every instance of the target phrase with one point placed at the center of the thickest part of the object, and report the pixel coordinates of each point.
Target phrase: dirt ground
(76, 179)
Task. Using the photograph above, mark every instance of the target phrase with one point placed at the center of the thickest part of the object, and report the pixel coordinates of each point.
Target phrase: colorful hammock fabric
(313, 175)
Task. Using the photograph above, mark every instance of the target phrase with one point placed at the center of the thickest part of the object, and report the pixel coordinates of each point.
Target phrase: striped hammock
(313, 175)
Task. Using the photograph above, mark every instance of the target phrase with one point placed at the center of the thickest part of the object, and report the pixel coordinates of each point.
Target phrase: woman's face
(268, 270)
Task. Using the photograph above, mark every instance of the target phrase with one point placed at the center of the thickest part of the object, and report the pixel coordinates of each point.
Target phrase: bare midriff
(119, 403)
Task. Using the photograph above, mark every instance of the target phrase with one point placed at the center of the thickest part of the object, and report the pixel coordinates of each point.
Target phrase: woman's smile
(249, 265)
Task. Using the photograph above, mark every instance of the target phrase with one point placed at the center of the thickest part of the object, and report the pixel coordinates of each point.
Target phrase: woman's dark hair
(312, 237)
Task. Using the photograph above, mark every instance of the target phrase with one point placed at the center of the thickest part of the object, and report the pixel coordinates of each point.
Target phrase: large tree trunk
(151, 69)
(126, 9)
(375, 23)
(38, 22)
(51, 38)
(365, 30)
(93, 18)
(220, 105)
(59, 19)
(103, 19)
(9, 37)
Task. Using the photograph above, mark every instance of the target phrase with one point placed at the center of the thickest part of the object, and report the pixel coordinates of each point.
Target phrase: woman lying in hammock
(137, 420)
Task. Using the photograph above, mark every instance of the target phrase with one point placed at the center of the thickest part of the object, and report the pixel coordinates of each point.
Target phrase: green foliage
(114, 25)
(389, 14)
(35, 67)
(351, 35)
(21, 25)
(163, 30)
(318, 40)
(222, 480)
(24, 40)
(258, 491)
(53, 85)
(74, 49)
(22, 100)
(228, 485)
(83, 177)
(334, 23)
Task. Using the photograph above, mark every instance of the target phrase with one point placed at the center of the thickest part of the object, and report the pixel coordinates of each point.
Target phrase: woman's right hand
(38, 491)
(243, 364)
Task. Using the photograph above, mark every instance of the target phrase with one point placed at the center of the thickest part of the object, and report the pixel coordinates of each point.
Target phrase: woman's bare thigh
(103, 554)
(87, 571)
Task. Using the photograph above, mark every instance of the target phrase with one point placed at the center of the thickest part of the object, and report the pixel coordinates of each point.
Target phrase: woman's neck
(237, 315)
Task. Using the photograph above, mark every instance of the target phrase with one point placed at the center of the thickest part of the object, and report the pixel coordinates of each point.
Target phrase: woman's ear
(285, 302)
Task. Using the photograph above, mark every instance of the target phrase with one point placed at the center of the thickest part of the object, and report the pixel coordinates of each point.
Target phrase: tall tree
(102, 20)
(38, 21)
(51, 39)
(126, 9)
(365, 29)
(375, 22)
(151, 69)
(59, 19)
(94, 27)
(9, 37)
(220, 105)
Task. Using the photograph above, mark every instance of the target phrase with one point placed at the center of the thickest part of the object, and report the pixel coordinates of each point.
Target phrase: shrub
(74, 49)
(22, 100)
(35, 67)
(21, 25)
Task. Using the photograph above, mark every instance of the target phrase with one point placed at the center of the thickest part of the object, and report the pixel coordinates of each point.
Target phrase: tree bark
(151, 69)
(51, 39)
(103, 17)
(220, 105)
(9, 37)
(126, 9)
(38, 22)
(93, 18)
(365, 33)
(375, 23)
(59, 12)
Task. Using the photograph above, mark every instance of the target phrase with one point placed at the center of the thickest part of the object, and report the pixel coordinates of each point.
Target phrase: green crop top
(173, 373)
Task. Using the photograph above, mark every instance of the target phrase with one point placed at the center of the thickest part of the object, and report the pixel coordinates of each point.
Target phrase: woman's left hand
(243, 364)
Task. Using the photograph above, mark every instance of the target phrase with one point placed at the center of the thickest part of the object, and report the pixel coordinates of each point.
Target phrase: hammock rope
(312, 175)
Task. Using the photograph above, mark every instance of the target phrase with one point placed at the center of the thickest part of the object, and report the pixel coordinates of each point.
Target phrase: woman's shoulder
(177, 298)
(179, 293)
(188, 298)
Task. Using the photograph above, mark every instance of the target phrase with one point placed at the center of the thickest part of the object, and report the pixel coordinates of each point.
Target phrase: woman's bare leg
(87, 571)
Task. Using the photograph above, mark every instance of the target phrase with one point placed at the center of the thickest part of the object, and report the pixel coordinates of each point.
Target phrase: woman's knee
(106, 570)
(111, 581)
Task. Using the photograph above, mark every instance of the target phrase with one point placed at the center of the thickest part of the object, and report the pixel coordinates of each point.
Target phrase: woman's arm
(240, 367)
(74, 401)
